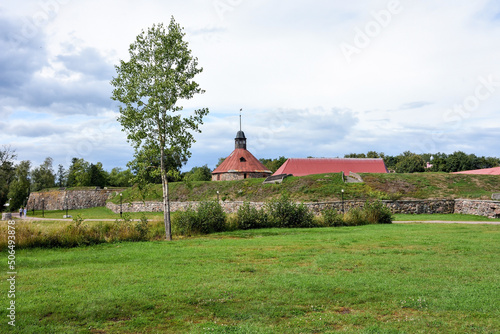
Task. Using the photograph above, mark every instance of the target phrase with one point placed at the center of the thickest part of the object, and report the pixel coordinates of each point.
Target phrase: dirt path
(28, 218)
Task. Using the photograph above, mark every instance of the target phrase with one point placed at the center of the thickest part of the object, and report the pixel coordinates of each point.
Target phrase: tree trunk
(166, 201)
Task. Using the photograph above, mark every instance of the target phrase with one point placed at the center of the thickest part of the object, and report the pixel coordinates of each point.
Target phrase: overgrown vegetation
(281, 212)
(208, 217)
(79, 233)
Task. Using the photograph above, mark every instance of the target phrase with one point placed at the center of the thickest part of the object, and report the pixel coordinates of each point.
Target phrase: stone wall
(76, 199)
(489, 209)
(413, 207)
(84, 199)
(233, 176)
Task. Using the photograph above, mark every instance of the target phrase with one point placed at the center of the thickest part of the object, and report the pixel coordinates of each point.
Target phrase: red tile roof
(485, 171)
(241, 160)
(301, 167)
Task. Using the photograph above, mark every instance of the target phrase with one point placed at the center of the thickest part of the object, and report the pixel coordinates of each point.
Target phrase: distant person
(21, 213)
(24, 212)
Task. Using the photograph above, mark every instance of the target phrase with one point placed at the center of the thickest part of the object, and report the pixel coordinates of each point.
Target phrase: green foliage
(248, 217)
(377, 213)
(202, 173)
(284, 213)
(120, 178)
(78, 175)
(7, 156)
(186, 222)
(209, 217)
(142, 227)
(371, 213)
(20, 185)
(410, 163)
(97, 175)
(159, 73)
(43, 176)
(354, 217)
(331, 217)
(273, 164)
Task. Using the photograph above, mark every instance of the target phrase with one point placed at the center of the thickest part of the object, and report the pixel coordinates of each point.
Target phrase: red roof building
(301, 167)
(485, 171)
(240, 164)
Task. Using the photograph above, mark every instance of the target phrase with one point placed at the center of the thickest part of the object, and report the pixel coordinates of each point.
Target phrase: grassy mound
(327, 187)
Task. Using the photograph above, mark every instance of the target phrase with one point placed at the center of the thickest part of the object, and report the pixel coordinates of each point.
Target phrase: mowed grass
(92, 213)
(443, 217)
(416, 278)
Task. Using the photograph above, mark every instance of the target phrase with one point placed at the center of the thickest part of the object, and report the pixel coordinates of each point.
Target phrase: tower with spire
(240, 164)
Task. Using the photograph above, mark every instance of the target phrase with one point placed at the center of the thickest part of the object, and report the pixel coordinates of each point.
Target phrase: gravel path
(16, 215)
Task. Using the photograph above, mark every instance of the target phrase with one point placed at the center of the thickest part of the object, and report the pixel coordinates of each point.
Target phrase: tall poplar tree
(149, 86)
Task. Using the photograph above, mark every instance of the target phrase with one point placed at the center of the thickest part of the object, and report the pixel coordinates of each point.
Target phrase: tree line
(409, 162)
(17, 181)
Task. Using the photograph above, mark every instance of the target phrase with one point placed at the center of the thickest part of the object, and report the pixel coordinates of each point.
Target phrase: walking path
(16, 215)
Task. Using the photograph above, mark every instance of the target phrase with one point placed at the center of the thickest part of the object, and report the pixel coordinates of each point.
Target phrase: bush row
(209, 217)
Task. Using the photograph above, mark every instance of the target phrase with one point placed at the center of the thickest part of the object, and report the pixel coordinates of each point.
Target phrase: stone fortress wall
(83, 199)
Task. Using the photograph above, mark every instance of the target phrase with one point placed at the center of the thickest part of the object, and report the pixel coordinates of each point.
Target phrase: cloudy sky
(318, 78)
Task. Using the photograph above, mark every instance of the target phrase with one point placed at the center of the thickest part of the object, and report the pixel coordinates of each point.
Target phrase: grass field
(92, 213)
(416, 278)
(443, 217)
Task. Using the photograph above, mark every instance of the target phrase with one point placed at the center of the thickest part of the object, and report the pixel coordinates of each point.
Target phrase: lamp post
(121, 205)
(43, 207)
(343, 201)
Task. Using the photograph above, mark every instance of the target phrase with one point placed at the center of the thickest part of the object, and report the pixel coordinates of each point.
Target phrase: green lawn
(92, 213)
(401, 278)
(444, 217)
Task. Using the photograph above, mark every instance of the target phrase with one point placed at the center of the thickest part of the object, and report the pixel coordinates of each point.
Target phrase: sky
(320, 78)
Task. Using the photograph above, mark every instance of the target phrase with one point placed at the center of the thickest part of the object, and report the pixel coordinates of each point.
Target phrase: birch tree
(149, 87)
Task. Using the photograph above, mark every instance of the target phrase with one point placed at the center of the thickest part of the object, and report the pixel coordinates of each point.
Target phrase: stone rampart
(489, 209)
(84, 199)
(413, 207)
(75, 199)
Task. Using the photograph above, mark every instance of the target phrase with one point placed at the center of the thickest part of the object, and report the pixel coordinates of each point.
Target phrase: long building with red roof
(302, 167)
(240, 164)
(484, 171)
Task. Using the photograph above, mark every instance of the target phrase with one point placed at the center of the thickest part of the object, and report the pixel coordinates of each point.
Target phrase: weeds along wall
(84, 199)
(414, 207)
(73, 199)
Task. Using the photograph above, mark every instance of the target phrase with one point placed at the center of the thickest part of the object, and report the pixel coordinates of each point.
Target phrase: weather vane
(240, 117)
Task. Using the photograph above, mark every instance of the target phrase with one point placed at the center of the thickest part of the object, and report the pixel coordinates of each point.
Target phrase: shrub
(283, 213)
(142, 227)
(184, 222)
(354, 217)
(248, 217)
(377, 213)
(208, 218)
(331, 217)
(211, 216)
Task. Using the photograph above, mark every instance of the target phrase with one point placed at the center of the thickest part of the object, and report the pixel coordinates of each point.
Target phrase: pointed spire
(240, 141)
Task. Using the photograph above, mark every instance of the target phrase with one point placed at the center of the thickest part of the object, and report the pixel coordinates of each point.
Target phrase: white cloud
(281, 62)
